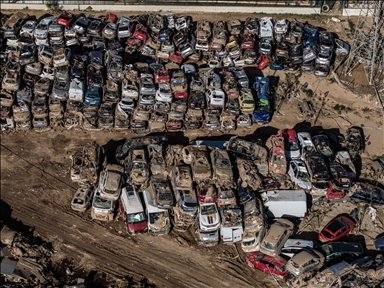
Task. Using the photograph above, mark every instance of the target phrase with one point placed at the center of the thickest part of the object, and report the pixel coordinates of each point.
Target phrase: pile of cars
(149, 73)
(231, 191)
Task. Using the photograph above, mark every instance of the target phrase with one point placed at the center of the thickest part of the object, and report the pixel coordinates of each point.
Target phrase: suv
(111, 181)
(276, 237)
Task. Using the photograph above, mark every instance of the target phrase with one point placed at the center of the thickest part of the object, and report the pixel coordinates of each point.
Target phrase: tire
(325, 8)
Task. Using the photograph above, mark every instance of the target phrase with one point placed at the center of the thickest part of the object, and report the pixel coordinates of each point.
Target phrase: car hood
(208, 220)
(261, 116)
(137, 227)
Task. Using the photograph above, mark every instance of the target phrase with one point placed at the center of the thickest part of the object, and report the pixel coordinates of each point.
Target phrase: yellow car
(246, 101)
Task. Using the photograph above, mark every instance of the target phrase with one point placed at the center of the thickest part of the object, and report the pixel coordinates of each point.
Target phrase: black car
(322, 146)
(122, 150)
(232, 106)
(339, 176)
(79, 66)
(95, 28)
(115, 45)
(196, 100)
(245, 194)
(346, 251)
(30, 79)
(96, 58)
(316, 166)
(95, 75)
(27, 54)
(296, 54)
(369, 193)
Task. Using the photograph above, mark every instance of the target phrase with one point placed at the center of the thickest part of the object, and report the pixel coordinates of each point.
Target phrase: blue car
(311, 35)
(277, 63)
(93, 96)
(262, 113)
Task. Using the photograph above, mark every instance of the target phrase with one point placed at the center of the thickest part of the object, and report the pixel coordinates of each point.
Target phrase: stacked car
(195, 77)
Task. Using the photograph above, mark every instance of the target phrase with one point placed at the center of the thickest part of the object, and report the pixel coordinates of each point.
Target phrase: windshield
(223, 163)
(263, 107)
(208, 209)
(101, 203)
(42, 27)
(303, 176)
(139, 166)
(153, 217)
(292, 146)
(136, 218)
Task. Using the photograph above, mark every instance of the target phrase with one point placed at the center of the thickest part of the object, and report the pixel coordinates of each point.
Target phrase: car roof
(298, 243)
(304, 256)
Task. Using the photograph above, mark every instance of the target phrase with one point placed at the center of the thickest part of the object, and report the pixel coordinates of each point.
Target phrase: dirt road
(41, 200)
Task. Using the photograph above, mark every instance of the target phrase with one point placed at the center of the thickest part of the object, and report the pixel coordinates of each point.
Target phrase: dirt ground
(35, 183)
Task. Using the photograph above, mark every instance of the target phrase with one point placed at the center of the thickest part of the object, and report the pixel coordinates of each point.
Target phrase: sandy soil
(35, 183)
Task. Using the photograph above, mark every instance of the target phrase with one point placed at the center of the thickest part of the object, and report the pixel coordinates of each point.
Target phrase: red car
(180, 95)
(268, 264)
(262, 61)
(162, 76)
(66, 19)
(140, 32)
(248, 42)
(176, 58)
(337, 228)
(110, 17)
(207, 194)
(334, 194)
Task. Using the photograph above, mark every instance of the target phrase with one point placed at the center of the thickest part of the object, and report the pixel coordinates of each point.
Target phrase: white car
(126, 106)
(299, 174)
(102, 209)
(76, 90)
(129, 90)
(164, 93)
(281, 27)
(47, 72)
(294, 246)
(306, 144)
(215, 97)
(251, 241)
(111, 180)
(266, 27)
(209, 218)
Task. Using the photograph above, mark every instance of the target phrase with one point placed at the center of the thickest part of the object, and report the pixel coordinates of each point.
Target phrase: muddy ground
(36, 189)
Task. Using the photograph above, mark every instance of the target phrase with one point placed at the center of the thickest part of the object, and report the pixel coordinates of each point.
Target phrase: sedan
(209, 218)
(110, 182)
(305, 261)
(164, 93)
(268, 264)
(337, 228)
(339, 176)
(291, 144)
(215, 97)
(306, 143)
(299, 174)
(323, 146)
(246, 101)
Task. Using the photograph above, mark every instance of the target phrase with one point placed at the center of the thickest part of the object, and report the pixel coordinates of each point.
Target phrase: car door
(237, 235)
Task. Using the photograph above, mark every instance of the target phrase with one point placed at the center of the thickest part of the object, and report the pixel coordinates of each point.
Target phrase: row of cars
(82, 59)
(159, 187)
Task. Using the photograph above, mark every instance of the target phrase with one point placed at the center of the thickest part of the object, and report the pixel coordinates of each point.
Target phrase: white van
(231, 229)
(294, 246)
(285, 203)
(157, 219)
(132, 210)
(76, 90)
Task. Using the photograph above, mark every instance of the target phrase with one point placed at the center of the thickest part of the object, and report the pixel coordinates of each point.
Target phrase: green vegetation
(381, 157)
(26, 8)
(341, 108)
(54, 5)
(309, 92)
(352, 27)
(366, 110)
(332, 80)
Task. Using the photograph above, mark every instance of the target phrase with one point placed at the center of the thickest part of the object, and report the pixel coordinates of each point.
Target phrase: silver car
(60, 90)
(147, 86)
(324, 56)
(41, 30)
(28, 28)
(305, 261)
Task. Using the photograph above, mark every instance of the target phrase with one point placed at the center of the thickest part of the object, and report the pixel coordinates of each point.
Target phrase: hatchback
(337, 228)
